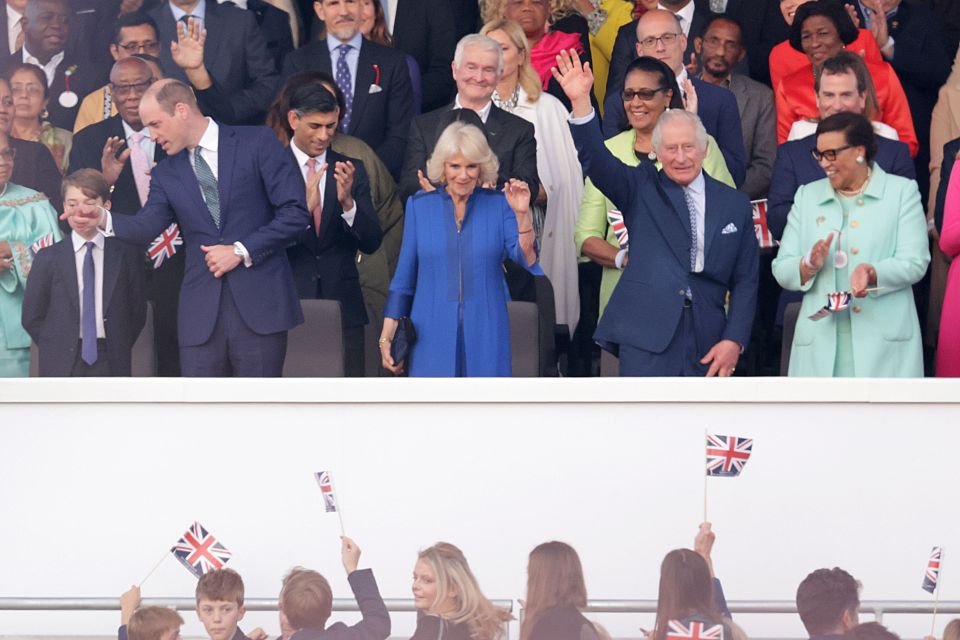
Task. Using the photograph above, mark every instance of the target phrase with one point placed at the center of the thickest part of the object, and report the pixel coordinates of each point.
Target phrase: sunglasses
(644, 94)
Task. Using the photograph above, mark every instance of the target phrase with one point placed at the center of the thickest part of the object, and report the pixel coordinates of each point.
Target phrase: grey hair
(484, 42)
(461, 137)
(679, 115)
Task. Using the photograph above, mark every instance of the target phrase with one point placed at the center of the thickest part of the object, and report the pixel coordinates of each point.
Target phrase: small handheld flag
(760, 228)
(836, 301)
(676, 630)
(42, 243)
(615, 218)
(326, 488)
(932, 574)
(727, 455)
(199, 551)
(165, 245)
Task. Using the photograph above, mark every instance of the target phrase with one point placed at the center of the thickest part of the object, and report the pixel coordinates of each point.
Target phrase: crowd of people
(450, 604)
(685, 184)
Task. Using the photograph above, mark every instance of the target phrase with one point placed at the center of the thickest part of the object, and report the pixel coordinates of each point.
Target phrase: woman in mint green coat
(651, 87)
(862, 231)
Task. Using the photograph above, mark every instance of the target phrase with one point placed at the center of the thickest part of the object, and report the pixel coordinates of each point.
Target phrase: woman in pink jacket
(948, 347)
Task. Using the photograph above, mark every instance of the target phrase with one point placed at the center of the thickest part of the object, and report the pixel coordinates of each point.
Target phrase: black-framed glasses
(127, 89)
(651, 41)
(644, 94)
(148, 46)
(829, 154)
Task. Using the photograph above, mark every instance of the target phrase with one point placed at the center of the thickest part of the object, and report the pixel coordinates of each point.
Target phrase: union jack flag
(326, 489)
(199, 551)
(165, 245)
(42, 243)
(615, 218)
(727, 455)
(836, 301)
(932, 574)
(676, 630)
(760, 228)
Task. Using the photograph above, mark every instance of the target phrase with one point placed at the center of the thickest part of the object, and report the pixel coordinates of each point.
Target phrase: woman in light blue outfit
(449, 277)
(27, 223)
(859, 230)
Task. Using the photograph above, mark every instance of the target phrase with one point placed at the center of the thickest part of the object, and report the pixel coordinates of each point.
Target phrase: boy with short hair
(154, 623)
(85, 302)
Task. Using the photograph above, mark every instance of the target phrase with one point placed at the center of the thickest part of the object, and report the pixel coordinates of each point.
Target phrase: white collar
(698, 186)
(210, 139)
(240, 4)
(681, 78)
(685, 14)
(128, 130)
(29, 57)
(302, 156)
(483, 113)
(356, 42)
(79, 241)
(12, 16)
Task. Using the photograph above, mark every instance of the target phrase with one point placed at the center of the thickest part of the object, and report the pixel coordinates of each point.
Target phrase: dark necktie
(345, 82)
(208, 185)
(88, 313)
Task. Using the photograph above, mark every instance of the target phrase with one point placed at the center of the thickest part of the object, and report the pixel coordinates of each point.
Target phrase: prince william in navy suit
(239, 201)
(691, 242)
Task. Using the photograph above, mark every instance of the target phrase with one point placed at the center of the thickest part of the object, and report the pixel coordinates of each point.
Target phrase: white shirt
(13, 28)
(685, 15)
(80, 254)
(149, 146)
(390, 12)
(302, 162)
(199, 12)
(49, 69)
(698, 193)
(681, 79)
(483, 113)
(804, 128)
(240, 4)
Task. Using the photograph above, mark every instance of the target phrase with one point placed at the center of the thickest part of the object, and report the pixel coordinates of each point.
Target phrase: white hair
(461, 137)
(483, 42)
(679, 115)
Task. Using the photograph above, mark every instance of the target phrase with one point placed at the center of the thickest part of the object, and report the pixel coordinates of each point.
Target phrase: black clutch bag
(403, 340)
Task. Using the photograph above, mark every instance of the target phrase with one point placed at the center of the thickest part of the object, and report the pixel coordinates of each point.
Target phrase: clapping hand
(110, 163)
(819, 252)
(862, 278)
(576, 80)
(343, 174)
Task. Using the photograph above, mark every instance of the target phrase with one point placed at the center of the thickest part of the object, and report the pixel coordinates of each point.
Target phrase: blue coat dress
(439, 267)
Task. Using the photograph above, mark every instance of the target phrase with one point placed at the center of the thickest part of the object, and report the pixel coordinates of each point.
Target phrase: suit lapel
(111, 271)
(675, 222)
(226, 156)
(365, 78)
(712, 223)
(188, 179)
(331, 206)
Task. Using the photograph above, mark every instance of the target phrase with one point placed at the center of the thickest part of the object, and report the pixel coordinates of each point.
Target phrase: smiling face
(342, 17)
(313, 132)
(679, 152)
(820, 39)
(844, 172)
(642, 113)
(219, 618)
(461, 175)
(476, 76)
(368, 16)
(29, 94)
(838, 93)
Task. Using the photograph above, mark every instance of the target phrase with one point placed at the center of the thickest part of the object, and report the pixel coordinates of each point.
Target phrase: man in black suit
(426, 30)
(477, 65)
(90, 20)
(121, 148)
(46, 29)
(692, 16)
(11, 29)
(85, 304)
(375, 80)
(343, 219)
(35, 167)
(230, 69)
(274, 26)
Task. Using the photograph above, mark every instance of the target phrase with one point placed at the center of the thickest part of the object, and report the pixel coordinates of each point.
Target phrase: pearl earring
(861, 159)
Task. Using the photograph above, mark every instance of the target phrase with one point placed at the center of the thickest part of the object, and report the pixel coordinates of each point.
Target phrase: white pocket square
(730, 228)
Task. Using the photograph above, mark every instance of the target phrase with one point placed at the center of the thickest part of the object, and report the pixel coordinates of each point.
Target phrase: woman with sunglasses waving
(855, 243)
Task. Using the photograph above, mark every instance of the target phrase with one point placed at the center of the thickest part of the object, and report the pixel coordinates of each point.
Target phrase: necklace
(509, 104)
(858, 192)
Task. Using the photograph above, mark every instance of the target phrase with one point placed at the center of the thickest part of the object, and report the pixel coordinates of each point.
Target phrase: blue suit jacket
(647, 304)
(262, 205)
(795, 167)
(717, 108)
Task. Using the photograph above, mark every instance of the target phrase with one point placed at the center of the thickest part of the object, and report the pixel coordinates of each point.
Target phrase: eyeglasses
(644, 94)
(727, 45)
(8, 154)
(148, 46)
(829, 154)
(651, 41)
(127, 89)
(26, 90)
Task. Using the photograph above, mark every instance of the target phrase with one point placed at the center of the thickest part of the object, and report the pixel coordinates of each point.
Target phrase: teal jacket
(888, 231)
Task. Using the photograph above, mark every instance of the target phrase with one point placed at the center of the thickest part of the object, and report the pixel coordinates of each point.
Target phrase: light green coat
(592, 221)
(888, 231)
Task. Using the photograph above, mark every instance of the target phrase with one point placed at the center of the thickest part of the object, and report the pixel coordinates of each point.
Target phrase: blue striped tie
(208, 185)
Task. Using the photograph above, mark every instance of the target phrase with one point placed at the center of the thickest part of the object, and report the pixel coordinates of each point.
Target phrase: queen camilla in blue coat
(449, 279)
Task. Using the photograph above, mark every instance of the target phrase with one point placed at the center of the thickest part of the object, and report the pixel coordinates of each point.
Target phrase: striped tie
(208, 186)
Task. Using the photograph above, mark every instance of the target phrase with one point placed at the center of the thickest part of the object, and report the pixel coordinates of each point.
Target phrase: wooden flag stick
(936, 594)
(155, 567)
(337, 499)
(705, 477)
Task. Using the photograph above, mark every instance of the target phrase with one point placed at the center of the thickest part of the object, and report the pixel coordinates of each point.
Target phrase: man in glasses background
(133, 33)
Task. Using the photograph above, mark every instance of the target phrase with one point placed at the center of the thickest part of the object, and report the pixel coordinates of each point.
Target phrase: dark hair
(830, 9)
(554, 579)
(312, 98)
(135, 19)
(306, 599)
(856, 128)
(848, 62)
(277, 113)
(722, 17)
(685, 589)
(668, 79)
(220, 584)
(870, 631)
(826, 594)
(30, 68)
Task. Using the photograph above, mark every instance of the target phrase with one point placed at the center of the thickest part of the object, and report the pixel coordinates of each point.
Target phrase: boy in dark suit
(85, 303)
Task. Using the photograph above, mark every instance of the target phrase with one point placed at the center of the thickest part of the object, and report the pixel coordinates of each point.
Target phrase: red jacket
(784, 59)
(796, 100)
